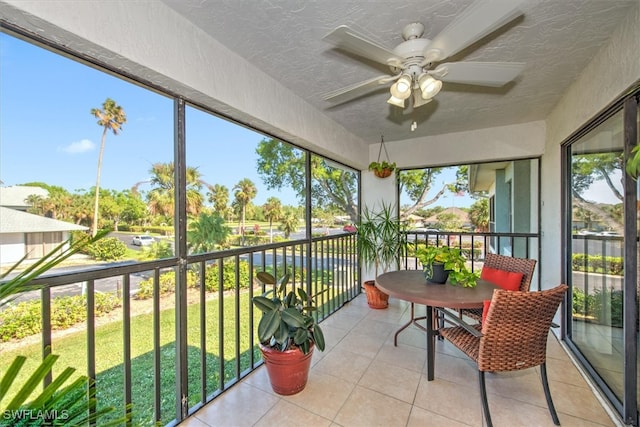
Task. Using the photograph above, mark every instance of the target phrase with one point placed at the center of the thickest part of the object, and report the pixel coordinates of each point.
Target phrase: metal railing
(476, 245)
(170, 355)
(176, 351)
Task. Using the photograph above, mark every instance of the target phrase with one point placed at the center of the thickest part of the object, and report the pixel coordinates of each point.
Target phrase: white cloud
(78, 147)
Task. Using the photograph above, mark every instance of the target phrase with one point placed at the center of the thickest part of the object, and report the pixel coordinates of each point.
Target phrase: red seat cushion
(485, 309)
(508, 280)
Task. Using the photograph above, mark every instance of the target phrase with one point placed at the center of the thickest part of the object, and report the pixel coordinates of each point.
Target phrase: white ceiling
(283, 38)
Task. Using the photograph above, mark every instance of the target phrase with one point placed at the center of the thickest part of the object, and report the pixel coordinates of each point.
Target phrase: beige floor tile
(458, 402)
(420, 417)
(287, 414)
(366, 407)
(324, 395)
(366, 345)
(346, 365)
(391, 380)
(231, 409)
(362, 379)
(403, 356)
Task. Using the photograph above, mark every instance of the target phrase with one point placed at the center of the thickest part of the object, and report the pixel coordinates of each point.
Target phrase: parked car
(142, 240)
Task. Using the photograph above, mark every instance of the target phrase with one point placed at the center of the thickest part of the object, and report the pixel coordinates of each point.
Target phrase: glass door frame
(628, 406)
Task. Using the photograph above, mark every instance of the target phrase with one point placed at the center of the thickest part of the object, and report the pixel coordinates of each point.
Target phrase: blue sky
(48, 134)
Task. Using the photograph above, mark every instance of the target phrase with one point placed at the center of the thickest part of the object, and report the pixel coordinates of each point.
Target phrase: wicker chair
(507, 263)
(513, 337)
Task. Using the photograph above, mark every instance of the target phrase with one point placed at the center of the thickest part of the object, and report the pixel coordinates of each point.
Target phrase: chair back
(513, 264)
(515, 331)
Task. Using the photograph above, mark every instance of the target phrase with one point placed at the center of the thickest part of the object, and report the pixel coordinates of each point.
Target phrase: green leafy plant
(381, 238)
(74, 404)
(380, 167)
(453, 261)
(633, 164)
(287, 319)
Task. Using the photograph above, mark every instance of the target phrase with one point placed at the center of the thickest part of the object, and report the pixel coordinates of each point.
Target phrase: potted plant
(381, 242)
(287, 332)
(382, 169)
(445, 262)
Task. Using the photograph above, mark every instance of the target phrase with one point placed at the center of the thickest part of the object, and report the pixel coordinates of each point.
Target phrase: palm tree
(111, 117)
(207, 233)
(219, 196)
(272, 212)
(161, 197)
(245, 191)
(289, 223)
(479, 215)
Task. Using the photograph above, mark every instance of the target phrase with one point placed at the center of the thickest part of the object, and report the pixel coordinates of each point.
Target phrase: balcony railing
(170, 354)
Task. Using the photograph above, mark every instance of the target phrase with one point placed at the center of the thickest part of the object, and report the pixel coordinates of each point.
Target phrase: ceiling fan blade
(494, 74)
(345, 38)
(475, 22)
(357, 89)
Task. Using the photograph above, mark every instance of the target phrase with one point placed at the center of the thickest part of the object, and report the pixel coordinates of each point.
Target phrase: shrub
(228, 276)
(25, 318)
(107, 249)
(157, 250)
(167, 284)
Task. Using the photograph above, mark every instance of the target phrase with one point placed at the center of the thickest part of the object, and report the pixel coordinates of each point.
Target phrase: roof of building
(15, 221)
(16, 196)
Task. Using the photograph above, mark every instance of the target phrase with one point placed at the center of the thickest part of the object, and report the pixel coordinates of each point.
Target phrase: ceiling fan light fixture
(398, 102)
(429, 86)
(402, 88)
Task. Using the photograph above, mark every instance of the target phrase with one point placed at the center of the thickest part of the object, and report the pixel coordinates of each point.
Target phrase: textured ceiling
(555, 38)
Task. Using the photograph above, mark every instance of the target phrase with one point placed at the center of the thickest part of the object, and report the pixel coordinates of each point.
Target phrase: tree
(289, 223)
(161, 197)
(272, 212)
(219, 197)
(587, 169)
(479, 215)
(207, 233)
(245, 192)
(110, 118)
(281, 165)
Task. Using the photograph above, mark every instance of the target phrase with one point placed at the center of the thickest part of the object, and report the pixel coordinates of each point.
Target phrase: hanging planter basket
(383, 173)
(382, 168)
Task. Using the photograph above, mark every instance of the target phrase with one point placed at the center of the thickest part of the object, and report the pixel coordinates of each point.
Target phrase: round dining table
(412, 286)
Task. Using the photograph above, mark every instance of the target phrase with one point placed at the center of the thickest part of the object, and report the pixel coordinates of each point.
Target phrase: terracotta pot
(288, 370)
(438, 274)
(375, 297)
(383, 173)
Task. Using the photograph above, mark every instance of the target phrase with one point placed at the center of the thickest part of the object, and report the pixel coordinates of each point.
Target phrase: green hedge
(598, 264)
(25, 318)
(107, 249)
(602, 307)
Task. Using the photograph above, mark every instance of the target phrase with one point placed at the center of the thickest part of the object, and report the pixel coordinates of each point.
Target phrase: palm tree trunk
(94, 228)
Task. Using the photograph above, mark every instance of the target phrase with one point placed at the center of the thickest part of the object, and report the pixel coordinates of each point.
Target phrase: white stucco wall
(614, 69)
(490, 144)
(11, 248)
(151, 41)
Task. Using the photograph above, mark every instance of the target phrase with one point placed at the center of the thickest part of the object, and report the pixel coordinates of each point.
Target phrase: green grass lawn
(109, 357)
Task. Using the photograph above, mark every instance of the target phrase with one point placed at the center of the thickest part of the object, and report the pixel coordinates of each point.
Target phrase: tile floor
(361, 379)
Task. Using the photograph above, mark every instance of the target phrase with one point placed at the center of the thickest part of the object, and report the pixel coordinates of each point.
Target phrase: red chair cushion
(508, 280)
(485, 309)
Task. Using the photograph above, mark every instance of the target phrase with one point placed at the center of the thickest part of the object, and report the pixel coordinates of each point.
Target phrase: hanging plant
(384, 168)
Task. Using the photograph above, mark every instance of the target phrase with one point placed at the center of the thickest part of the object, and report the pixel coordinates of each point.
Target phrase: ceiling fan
(415, 64)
